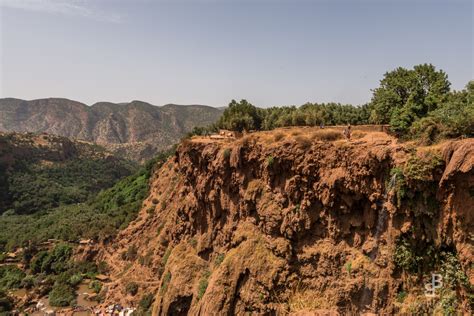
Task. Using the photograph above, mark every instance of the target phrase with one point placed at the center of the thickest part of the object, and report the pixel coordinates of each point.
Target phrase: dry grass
(358, 134)
(307, 300)
(295, 133)
(278, 136)
(326, 135)
(303, 142)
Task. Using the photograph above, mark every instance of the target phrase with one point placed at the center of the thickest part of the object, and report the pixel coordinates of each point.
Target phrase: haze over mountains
(135, 130)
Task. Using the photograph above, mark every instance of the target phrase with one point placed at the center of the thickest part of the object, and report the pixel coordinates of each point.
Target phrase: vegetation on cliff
(417, 103)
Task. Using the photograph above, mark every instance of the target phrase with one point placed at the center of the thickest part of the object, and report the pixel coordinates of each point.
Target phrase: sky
(270, 52)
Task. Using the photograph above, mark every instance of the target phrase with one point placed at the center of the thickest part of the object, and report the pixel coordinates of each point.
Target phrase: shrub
(6, 304)
(401, 296)
(131, 288)
(219, 259)
(62, 295)
(226, 153)
(203, 283)
(130, 254)
(278, 136)
(150, 210)
(348, 267)
(303, 142)
(193, 242)
(102, 267)
(404, 256)
(146, 301)
(165, 282)
(270, 161)
(75, 279)
(452, 271)
(96, 286)
(421, 168)
(10, 277)
(400, 186)
(166, 256)
(449, 304)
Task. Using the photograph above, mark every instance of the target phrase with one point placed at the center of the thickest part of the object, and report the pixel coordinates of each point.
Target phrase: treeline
(417, 103)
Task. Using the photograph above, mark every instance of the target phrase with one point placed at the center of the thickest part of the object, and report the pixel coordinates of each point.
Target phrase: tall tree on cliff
(241, 116)
(405, 95)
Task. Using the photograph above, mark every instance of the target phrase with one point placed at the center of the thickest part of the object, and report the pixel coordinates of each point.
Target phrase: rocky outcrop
(299, 226)
(135, 130)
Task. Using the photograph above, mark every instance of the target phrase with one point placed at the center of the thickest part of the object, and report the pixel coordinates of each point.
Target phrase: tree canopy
(406, 95)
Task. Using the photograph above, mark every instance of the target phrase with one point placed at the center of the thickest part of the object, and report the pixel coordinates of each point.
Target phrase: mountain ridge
(135, 130)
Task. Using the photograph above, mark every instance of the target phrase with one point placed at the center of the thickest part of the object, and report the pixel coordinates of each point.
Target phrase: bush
(165, 282)
(278, 136)
(422, 168)
(166, 256)
(6, 303)
(303, 142)
(62, 295)
(404, 256)
(146, 301)
(75, 280)
(131, 288)
(130, 254)
(219, 259)
(10, 277)
(226, 153)
(96, 286)
(203, 283)
(270, 161)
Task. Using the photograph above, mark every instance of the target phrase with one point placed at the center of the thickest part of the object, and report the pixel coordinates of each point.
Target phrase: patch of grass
(166, 281)
(203, 283)
(348, 267)
(160, 228)
(219, 259)
(401, 296)
(146, 301)
(326, 135)
(131, 288)
(226, 153)
(130, 254)
(166, 256)
(303, 142)
(96, 286)
(278, 136)
(270, 161)
(358, 134)
(193, 242)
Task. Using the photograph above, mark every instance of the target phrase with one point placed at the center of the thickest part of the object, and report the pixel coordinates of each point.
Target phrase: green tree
(404, 96)
(240, 116)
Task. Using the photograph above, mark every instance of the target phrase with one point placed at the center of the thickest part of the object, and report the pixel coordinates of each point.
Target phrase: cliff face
(136, 130)
(292, 223)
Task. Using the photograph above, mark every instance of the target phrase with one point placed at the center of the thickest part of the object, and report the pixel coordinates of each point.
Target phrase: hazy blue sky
(209, 52)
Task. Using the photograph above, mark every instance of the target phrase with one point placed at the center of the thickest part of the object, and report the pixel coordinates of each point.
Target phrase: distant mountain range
(135, 130)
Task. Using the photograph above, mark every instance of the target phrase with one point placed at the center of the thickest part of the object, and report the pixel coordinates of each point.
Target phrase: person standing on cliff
(347, 132)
